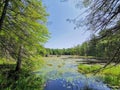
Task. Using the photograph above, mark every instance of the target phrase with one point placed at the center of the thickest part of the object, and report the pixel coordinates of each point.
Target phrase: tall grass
(109, 75)
(24, 82)
(23, 79)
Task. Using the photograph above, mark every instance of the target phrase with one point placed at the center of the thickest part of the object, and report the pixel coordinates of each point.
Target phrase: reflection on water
(61, 74)
(61, 84)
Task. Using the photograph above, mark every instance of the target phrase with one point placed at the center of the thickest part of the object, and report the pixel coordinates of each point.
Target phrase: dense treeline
(59, 51)
(96, 47)
(102, 16)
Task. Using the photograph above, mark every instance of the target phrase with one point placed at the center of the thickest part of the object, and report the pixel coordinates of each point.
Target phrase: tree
(3, 13)
(103, 16)
(24, 30)
(104, 13)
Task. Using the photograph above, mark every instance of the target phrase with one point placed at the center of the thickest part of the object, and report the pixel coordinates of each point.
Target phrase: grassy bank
(26, 81)
(109, 75)
(23, 79)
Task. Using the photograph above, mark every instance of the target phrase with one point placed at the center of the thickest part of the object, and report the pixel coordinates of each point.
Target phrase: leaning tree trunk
(3, 13)
(19, 59)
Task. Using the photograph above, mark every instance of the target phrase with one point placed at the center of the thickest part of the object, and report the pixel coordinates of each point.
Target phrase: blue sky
(62, 32)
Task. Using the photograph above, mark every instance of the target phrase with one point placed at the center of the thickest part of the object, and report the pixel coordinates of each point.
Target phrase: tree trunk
(19, 59)
(3, 13)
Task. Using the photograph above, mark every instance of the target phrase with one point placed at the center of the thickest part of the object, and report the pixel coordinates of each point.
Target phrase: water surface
(61, 73)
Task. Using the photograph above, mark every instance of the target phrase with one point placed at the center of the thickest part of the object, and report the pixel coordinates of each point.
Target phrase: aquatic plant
(109, 75)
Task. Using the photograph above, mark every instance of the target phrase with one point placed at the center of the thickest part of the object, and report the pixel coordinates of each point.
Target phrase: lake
(61, 73)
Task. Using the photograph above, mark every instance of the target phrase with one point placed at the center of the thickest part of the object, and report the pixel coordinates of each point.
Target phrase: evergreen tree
(23, 29)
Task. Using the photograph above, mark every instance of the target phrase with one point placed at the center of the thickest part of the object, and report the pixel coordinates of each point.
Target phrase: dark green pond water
(62, 74)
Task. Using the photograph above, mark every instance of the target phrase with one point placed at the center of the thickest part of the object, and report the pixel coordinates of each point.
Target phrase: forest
(26, 64)
(95, 47)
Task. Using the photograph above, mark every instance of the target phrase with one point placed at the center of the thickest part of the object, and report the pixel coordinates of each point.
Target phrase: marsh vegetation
(26, 64)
